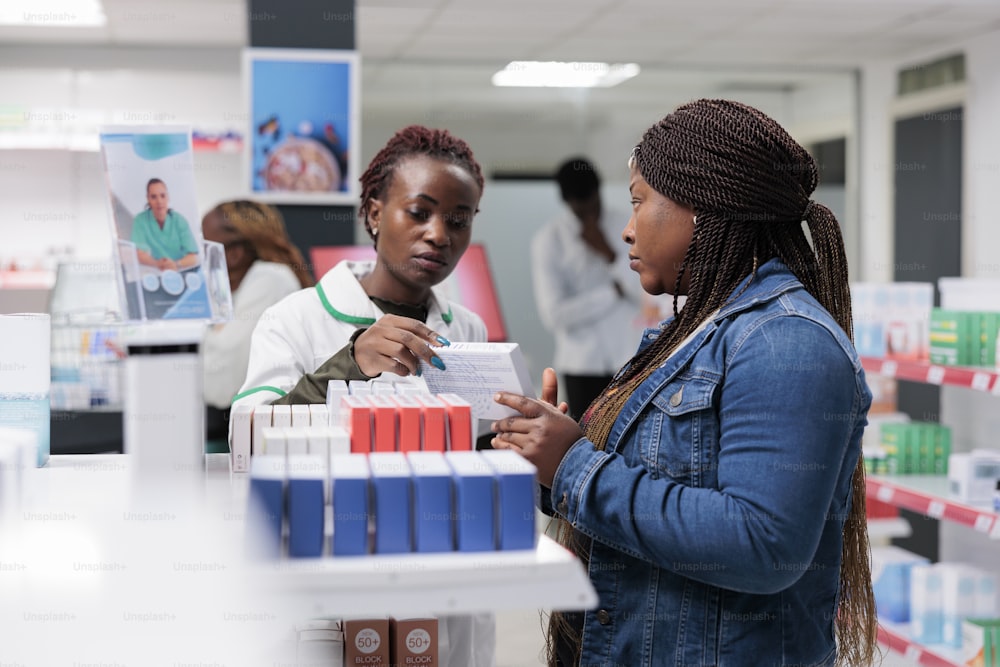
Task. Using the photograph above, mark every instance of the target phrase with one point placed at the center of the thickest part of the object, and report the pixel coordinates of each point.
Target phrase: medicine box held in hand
(476, 372)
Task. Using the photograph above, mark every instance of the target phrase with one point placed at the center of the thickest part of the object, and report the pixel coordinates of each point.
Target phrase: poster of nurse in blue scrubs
(150, 176)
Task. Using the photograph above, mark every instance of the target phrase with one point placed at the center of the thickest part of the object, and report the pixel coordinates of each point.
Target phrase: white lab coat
(299, 333)
(226, 346)
(596, 331)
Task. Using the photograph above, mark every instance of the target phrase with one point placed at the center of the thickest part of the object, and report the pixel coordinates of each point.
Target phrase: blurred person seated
(264, 267)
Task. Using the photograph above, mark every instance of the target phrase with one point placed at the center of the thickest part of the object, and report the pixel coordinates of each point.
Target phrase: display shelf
(896, 636)
(888, 528)
(978, 378)
(928, 495)
(549, 577)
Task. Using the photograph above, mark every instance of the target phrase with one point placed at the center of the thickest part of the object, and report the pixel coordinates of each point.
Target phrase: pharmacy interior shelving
(928, 494)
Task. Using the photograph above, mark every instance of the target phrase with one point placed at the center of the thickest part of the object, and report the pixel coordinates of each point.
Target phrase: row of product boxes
(910, 448)
(935, 599)
(391, 503)
(963, 338)
(360, 423)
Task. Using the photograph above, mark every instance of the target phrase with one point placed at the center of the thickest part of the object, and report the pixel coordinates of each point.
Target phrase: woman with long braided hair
(715, 489)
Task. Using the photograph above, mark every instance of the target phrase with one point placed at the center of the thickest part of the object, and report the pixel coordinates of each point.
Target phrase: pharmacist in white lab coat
(364, 319)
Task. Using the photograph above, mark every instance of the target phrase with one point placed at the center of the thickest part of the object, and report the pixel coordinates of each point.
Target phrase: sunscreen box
(306, 475)
(517, 495)
(349, 482)
(366, 642)
(474, 504)
(414, 642)
(432, 502)
(391, 502)
(433, 418)
(459, 413)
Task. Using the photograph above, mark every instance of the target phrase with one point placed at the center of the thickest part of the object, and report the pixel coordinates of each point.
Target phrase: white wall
(981, 171)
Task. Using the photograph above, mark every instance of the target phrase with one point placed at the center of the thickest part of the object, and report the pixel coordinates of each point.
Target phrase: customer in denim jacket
(714, 489)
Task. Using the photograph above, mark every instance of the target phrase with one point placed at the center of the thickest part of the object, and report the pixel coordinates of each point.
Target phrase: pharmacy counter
(100, 566)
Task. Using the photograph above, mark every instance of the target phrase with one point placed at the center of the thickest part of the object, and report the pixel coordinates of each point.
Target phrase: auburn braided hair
(749, 184)
(407, 142)
(262, 228)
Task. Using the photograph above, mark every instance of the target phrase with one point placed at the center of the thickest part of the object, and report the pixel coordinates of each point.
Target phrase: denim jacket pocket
(679, 438)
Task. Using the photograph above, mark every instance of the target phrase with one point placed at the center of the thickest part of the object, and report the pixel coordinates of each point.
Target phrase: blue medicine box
(265, 512)
(433, 529)
(475, 502)
(349, 481)
(391, 502)
(891, 566)
(517, 494)
(305, 506)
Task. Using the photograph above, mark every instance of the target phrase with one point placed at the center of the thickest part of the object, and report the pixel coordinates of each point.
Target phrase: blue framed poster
(303, 138)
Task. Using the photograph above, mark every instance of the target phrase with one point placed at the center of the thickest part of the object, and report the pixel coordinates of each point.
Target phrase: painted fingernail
(443, 341)
(437, 362)
(419, 370)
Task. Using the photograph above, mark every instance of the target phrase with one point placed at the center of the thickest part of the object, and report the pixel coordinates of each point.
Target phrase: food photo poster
(303, 137)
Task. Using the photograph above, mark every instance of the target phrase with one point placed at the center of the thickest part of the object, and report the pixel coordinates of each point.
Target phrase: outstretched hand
(542, 433)
(396, 344)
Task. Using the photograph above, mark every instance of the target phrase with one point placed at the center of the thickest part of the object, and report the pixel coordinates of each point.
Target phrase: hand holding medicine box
(477, 371)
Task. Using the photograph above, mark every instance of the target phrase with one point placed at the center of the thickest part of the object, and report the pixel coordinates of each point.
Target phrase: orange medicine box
(414, 641)
(432, 414)
(356, 418)
(384, 422)
(459, 422)
(408, 413)
(366, 642)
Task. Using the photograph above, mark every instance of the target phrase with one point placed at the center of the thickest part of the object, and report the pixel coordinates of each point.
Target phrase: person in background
(715, 488)
(583, 290)
(419, 196)
(264, 267)
(161, 235)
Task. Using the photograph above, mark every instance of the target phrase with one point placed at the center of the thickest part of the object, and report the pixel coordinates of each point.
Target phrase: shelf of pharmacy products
(928, 495)
(896, 637)
(979, 379)
(549, 577)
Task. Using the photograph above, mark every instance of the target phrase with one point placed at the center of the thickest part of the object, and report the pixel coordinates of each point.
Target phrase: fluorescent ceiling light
(552, 74)
(53, 13)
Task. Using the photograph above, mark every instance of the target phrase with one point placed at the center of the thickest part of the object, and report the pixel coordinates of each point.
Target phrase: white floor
(520, 639)
(521, 642)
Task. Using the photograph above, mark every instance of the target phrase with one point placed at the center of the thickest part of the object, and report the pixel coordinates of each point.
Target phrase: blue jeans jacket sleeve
(787, 408)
